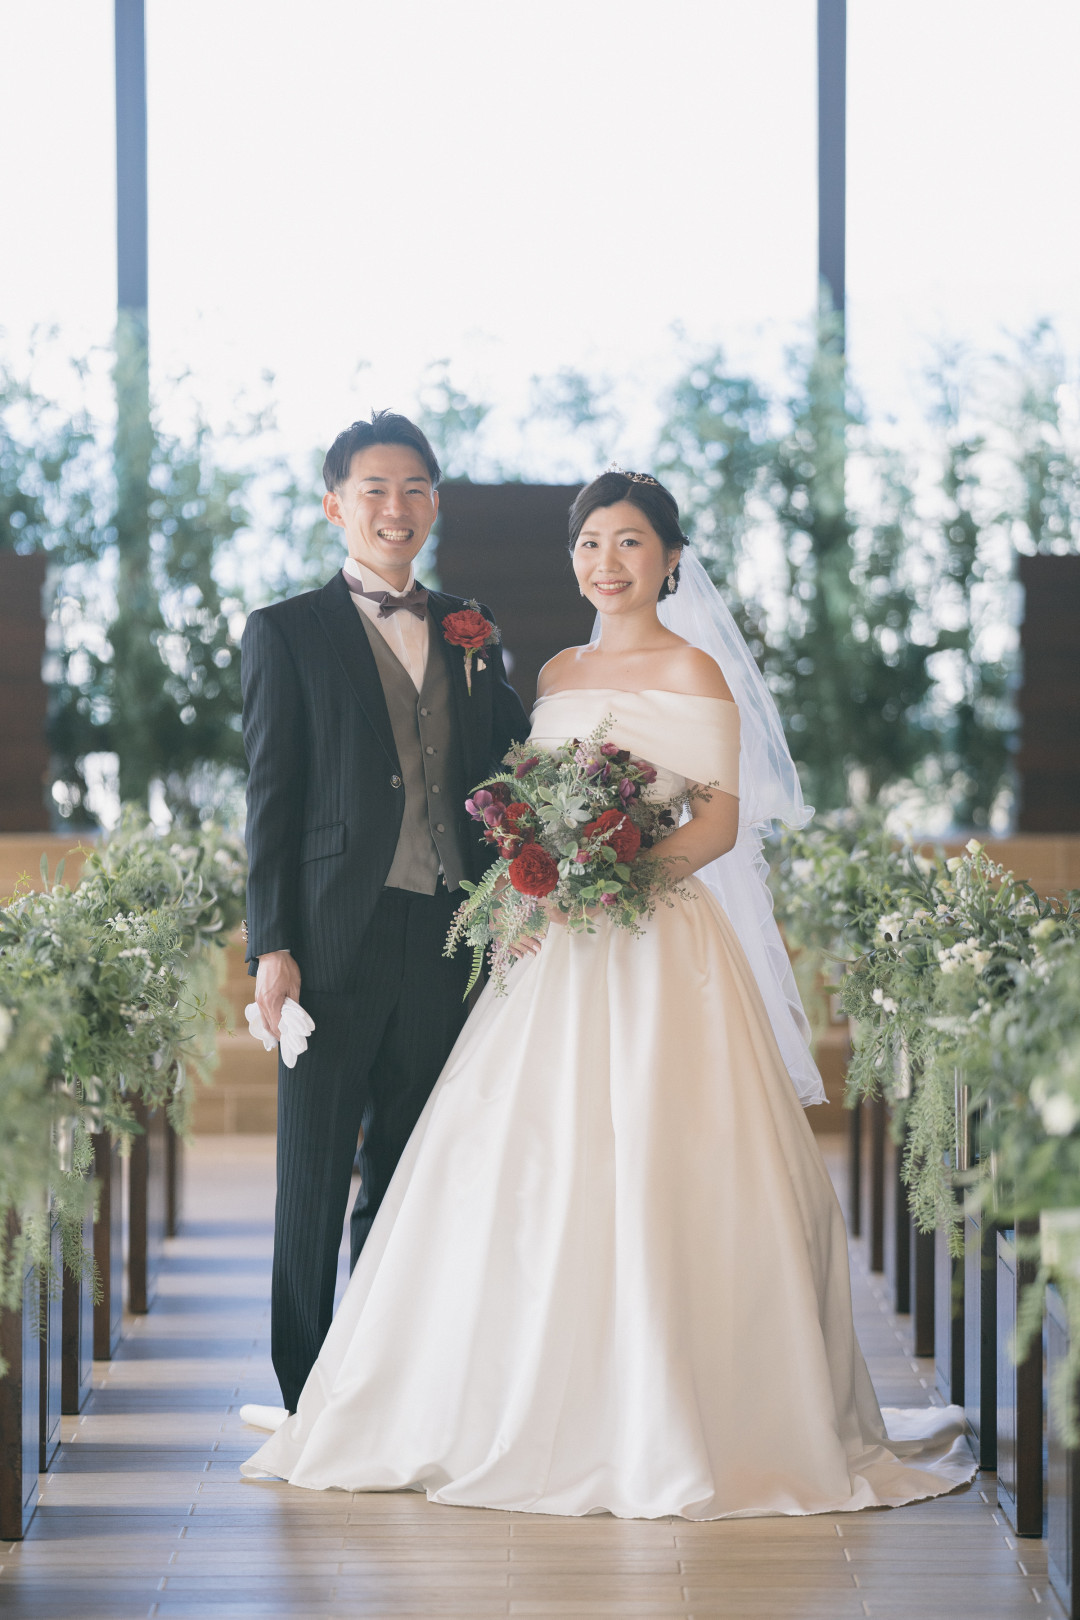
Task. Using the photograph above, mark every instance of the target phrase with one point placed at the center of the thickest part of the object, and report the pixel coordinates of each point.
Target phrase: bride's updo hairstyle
(652, 500)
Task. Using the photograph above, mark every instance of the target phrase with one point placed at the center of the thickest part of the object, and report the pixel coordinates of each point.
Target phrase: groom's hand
(278, 978)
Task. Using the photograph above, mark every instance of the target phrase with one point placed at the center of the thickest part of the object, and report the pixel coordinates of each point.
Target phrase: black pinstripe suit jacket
(323, 811)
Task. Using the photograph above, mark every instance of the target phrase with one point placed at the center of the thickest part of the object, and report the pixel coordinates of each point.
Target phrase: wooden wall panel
(506, 544)
(1048, 761)
(24, 752)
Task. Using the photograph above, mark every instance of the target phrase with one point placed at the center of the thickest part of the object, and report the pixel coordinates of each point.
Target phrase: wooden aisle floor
(145, 1513)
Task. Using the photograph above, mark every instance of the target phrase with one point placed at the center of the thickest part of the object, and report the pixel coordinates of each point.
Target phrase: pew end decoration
(962, 988)
(109, 994)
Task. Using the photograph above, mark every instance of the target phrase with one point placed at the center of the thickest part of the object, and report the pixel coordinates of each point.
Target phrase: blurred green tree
(832, 620)
(145, 663)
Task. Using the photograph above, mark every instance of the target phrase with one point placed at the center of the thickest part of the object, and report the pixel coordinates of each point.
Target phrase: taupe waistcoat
(423, 735)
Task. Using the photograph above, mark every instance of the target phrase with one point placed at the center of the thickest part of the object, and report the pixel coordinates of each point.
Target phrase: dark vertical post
(876, 1223)
(78, 1327)
(131, 234)
(20, 1396)
(832, 149)
(1019, 1388)
(108, 1245)
(147, 1213)
(51, 1344)
(135, 656)
(855, 1153)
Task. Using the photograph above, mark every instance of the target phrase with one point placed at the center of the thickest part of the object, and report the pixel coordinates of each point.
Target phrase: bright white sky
(521, 186)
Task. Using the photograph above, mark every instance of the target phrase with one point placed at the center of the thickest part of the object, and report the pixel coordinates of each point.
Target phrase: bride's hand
(531, 945)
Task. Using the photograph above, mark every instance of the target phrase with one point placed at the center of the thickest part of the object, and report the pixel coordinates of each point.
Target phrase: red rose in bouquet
(515, 830)
(534, 872)
(618, 831)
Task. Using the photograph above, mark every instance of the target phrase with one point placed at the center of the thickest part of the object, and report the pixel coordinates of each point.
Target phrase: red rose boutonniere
(469, 630)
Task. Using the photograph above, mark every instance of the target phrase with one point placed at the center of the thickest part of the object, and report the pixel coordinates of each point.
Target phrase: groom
(363, 738)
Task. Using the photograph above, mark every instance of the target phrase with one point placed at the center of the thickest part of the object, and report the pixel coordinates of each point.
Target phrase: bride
(611, 1272)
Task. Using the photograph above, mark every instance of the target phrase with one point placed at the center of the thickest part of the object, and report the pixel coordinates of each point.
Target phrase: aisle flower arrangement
(108, 992)
(574, 829)
(963, 989)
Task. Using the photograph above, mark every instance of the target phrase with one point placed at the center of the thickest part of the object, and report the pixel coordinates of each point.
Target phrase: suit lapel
(333, 607)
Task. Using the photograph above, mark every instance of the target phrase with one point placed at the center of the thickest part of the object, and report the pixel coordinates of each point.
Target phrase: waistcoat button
(395, 781)
(436, 788)
(429, 749)
(425, 713)
(439, 827)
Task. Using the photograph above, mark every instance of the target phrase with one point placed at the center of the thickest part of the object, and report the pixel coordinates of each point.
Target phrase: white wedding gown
(611, 1273)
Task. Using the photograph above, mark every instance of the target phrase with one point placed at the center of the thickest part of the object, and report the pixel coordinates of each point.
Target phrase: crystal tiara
(635, 478)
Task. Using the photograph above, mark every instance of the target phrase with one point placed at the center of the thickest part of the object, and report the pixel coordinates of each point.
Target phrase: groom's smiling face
(386, 507)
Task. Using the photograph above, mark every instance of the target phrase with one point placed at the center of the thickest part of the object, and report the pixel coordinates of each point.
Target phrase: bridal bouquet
(573, 828)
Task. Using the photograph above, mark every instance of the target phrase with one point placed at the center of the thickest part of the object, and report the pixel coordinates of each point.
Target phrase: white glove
(295, 1026)
(264, 1417)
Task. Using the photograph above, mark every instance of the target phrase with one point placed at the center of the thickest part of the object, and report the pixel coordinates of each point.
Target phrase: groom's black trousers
(370, 1065)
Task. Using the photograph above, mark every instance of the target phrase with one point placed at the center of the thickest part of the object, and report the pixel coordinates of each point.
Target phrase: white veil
(769, 791)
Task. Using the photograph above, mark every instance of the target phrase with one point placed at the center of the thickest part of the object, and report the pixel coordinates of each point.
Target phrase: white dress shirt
(404, 633)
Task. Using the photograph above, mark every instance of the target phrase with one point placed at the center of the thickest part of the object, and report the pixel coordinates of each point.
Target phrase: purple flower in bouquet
(627, 790)
(526, 766)
(480, 801)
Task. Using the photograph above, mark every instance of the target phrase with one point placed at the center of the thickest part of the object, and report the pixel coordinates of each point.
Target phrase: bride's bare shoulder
(694, 674)
(556, 670)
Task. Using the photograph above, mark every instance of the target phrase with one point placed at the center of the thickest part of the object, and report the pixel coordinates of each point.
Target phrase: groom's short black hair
(385, 427)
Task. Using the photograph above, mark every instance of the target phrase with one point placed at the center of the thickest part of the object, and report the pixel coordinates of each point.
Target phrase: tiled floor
(145, 1513)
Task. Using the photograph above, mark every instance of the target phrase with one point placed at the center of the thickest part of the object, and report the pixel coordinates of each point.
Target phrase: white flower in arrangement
(973, 846)
(965, 953)
(923, 864)
(802, 870)
(921, 915)
(1060, 1113)
(7, 1024)
(891, 925)
(880, 999)
(954, 863)
(1045, 928)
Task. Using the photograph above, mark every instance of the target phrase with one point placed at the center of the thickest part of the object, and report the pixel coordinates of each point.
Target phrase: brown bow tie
(414, 601)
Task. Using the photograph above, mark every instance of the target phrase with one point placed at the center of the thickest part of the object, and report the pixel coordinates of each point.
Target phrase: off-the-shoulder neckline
(645, 691)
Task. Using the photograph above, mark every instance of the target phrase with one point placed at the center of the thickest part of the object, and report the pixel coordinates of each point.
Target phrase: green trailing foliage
(109, 991)
(962, 987)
